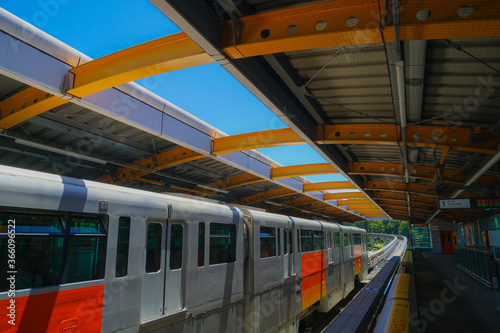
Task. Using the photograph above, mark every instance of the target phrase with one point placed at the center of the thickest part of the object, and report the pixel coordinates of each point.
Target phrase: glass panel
(357, 239)
(290, 239)
(153, 248)
(86, 225)
(287, 244)
(346, 242)
(122, 246)
(306, 240)
(38, 261)
(267, 242)
(318, 241)
(337, 239)
(32, 223)
(222, 243)
(279, 241)
(86, 258)
(176, 232)
(201, 244)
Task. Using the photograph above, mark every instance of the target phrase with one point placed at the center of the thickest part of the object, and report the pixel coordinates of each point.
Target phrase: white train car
(82, 256)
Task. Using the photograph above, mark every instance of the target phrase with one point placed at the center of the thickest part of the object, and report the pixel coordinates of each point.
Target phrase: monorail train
(83, 256)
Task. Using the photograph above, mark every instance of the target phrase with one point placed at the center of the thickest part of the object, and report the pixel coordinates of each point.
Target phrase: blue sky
(209, 92)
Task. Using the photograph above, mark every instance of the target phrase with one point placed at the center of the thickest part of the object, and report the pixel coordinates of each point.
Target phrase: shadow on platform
(450, 300)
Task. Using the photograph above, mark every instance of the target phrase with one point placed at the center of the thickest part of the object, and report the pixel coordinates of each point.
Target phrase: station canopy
(400, 98)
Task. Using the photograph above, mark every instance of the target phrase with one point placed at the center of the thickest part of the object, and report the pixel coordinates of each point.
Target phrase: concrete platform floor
(450, 300)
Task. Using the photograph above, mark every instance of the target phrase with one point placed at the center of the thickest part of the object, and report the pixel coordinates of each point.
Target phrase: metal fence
(482, 263)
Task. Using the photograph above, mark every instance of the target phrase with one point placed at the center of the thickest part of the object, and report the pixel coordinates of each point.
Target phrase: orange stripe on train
(313, 278)
(74, 310)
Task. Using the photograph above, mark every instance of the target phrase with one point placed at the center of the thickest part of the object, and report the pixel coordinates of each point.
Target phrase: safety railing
(481, 263)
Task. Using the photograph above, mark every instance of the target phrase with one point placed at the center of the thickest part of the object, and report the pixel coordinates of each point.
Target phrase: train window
(298, 241)
(290, 239)
(279, 241)
(337, 239)
(47, 254)
(357, 239)
(346, 240)
(287, 241)
(153, 247)
(201, 244)
(86, 225)
(267, 242)
(176, 234)
(122, 246)
(319, 243)
(222, 243)
(306, 240)
(33, 223)
(85, 259)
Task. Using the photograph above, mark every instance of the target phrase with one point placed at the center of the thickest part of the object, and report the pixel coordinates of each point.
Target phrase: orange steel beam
(280, 192)
(158, 162)
(405, 204)
(415, 171)
(254, 140)
(310, 187)
(354, 202)
(365, 206)
(320, 207)
(402, 197)
(339, 23)
(303, 170)
(26, 104)
(158, 56)
(405, 209)
(236, 181)
(344, 195)
(388, 135)
(416, 136)
(400, 187)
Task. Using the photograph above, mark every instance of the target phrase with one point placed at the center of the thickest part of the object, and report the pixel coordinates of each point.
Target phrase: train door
(154, 270)
(447, 244)
(175, 266)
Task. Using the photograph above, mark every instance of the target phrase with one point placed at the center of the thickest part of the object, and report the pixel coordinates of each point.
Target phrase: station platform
(450, 300)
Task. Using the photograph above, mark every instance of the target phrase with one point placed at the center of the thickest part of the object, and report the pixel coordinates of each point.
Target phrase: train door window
(337, 239)
(86, 249)
(176, 238)
(267, 242)
(222, 243)
(319, 242)
(286, 242)
(201, 244)
(290, 240)
(121, 267)
(346, 241)
(306, 240)
(327, 240)
(153, 247)
(357, 239)
(279, 241)
(298, 241)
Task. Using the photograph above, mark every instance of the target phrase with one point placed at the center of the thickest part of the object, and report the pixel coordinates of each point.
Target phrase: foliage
(393, 227)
